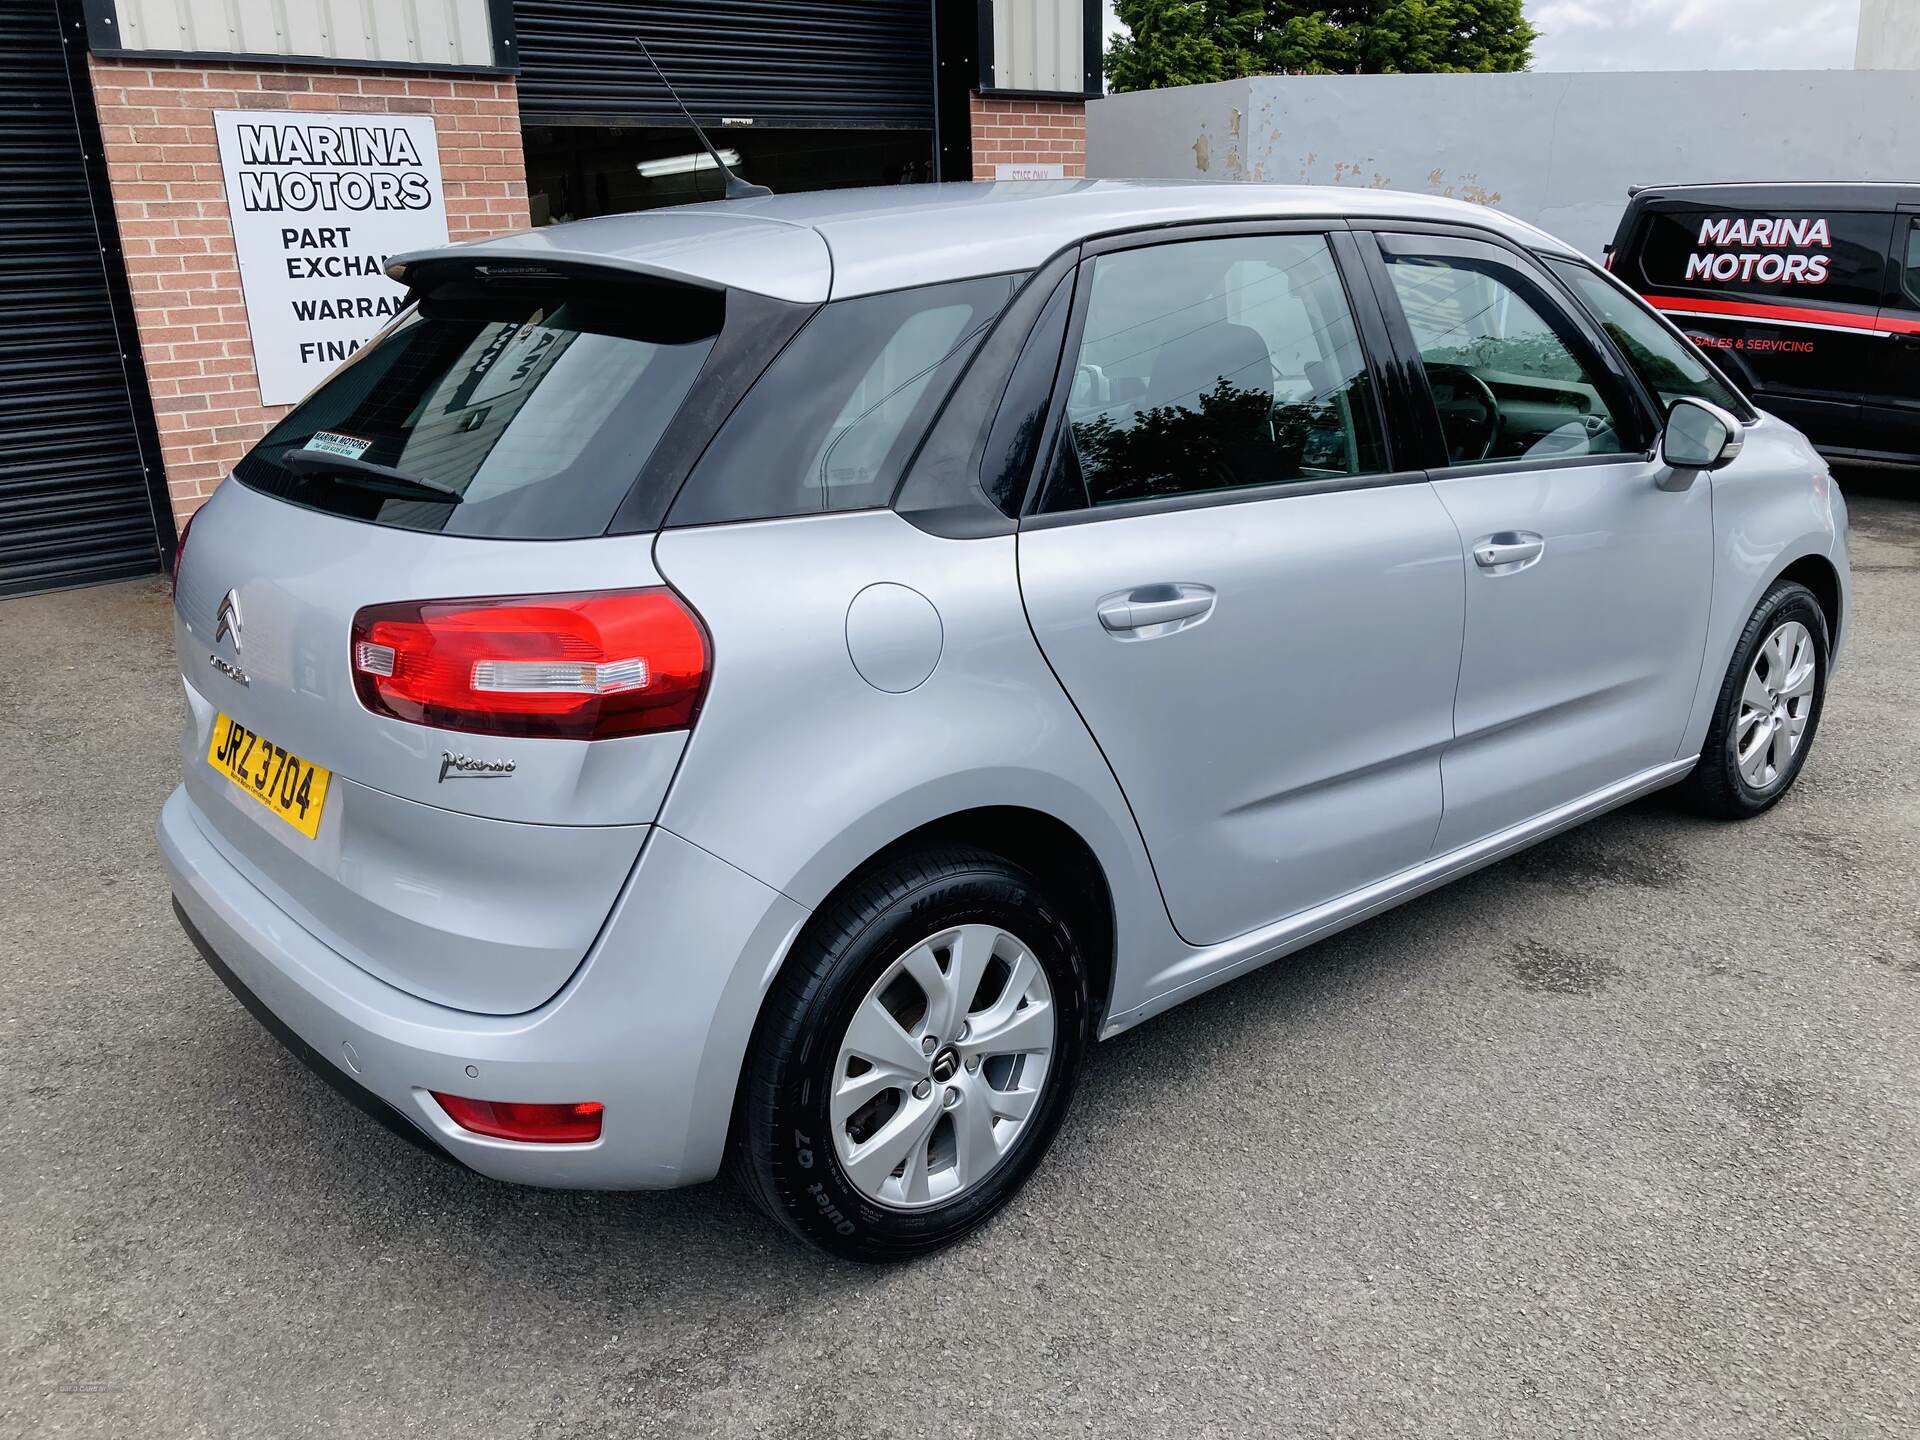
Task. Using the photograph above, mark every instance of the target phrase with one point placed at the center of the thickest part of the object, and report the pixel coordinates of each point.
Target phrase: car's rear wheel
(915, 1058)
(1769, 707)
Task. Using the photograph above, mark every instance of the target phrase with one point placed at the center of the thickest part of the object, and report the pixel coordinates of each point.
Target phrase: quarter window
(1215, 365)
(1666, 364)
(1505, 382)
(832, 423)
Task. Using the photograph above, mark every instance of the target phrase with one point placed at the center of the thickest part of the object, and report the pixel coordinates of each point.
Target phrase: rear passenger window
(1215, 365)
(1912, 271)
(1835, 256)
(1666, 364)
(832, 423)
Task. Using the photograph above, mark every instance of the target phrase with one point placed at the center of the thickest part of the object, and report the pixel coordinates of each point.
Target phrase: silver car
(770, 683)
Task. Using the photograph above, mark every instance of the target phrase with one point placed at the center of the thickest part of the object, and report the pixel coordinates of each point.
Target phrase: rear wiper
(381, 479)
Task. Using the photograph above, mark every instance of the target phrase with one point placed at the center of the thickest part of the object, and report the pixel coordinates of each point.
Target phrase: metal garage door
(864, 64)
(74, 501)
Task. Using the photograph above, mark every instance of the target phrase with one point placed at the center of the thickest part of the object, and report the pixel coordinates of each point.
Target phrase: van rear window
(508, 412)
(1835, 256)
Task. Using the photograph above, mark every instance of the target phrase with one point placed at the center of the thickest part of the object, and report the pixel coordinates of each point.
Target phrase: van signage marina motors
(1739, 250)
(319, 203)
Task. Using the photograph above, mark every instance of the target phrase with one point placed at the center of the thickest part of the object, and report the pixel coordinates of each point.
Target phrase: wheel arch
(1057, 854)
(1819, 575)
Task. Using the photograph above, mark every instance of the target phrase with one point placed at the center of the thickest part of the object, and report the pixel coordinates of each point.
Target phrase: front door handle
(1150, 610)
(1507, 551)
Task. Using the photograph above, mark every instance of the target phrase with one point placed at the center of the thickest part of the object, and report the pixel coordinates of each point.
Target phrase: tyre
(1768, 710)
(915, 1058)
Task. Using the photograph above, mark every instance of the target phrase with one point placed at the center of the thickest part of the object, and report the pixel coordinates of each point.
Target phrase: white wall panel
(1889, 35)
(1039, 45)
(412, 32)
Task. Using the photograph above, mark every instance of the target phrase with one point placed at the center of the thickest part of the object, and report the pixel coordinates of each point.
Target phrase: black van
(1807, 294)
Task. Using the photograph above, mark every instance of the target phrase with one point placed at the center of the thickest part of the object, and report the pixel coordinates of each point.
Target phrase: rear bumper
(354, 1093)
(653, 1024)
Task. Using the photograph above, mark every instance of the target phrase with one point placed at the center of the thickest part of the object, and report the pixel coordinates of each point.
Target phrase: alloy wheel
(1775, 705)
(941, 1067)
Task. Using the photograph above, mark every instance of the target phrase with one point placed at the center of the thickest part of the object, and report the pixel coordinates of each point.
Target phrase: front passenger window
(1215, 365)
(1506, 385)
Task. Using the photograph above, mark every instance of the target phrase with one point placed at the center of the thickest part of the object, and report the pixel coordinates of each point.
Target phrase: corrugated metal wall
(1039, 45)
(75, 505)
(864, 64)
(413, 32)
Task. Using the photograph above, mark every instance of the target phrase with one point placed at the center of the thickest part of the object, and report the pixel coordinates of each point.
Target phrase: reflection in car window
(1506, 386)
(1214, 365)
(1913, 262)
(1666, 365)
(532, 407)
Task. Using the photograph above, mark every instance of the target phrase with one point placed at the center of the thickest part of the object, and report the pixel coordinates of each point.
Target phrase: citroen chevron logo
(226, 620)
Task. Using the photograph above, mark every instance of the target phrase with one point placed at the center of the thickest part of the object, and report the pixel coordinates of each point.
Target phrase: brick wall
(1011, 131)
(163, 164)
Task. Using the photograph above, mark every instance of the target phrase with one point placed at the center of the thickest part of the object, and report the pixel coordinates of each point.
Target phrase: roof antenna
(737, 189)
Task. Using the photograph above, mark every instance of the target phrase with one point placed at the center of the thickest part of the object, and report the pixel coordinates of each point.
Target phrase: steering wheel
(1466, 404)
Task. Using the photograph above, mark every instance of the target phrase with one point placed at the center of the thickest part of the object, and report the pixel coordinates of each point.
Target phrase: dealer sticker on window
(332, 444)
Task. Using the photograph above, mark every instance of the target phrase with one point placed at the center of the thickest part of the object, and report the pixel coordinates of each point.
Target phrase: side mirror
(1700, 436)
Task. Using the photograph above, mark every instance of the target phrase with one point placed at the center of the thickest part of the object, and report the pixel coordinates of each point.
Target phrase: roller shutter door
(859, 64)
(74, 501)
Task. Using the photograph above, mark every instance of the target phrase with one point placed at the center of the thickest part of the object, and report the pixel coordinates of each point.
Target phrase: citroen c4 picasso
(769, 683)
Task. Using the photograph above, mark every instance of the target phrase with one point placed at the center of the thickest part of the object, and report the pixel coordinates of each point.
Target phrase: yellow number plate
(287, 785)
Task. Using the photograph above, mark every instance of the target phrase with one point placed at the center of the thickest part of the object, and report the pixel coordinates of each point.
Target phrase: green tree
(1189, 42)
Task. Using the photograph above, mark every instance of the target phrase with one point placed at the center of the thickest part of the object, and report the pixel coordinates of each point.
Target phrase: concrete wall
(1557, 150)
(1889, 35)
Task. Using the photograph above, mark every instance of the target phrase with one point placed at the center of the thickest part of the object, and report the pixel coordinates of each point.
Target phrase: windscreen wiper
(381, 479)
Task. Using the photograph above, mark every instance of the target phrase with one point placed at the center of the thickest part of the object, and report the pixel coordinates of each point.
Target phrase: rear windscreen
(509, 413)
(1832, 255)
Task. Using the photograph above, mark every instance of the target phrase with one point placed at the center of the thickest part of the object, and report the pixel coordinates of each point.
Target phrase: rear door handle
(1506, 551)
(1151, 610)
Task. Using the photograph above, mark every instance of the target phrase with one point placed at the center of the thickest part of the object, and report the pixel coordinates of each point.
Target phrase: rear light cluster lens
(577, 1123)
(571, 667)
(180, 551)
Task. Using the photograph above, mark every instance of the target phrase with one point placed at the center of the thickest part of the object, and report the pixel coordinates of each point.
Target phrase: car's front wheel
(916, 1056)
(1769, 707)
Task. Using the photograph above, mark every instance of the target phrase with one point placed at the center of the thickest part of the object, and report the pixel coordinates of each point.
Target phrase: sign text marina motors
(319, 202)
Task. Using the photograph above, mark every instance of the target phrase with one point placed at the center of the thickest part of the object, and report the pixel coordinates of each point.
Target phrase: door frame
(1905, 217)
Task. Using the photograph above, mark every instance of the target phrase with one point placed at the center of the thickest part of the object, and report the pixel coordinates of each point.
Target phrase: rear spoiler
(691, 245)
(425, 272)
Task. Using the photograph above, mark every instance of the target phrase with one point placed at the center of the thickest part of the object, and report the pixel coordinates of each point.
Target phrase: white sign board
(1030, 170)
(319, 203)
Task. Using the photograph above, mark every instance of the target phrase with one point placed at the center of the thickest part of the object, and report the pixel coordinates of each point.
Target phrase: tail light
(572, 667)
(538, 1124)
(180, 550)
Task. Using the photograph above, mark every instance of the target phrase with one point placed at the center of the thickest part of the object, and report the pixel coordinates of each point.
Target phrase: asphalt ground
(1621, 1136)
